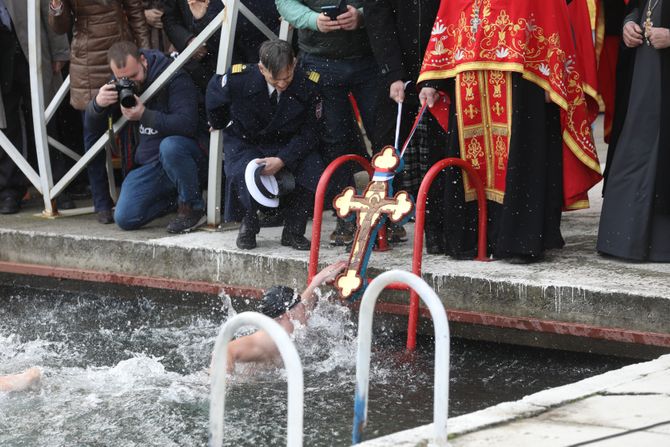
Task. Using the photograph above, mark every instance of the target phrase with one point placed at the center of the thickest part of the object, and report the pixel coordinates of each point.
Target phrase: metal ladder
(217, 397)
(441, 324)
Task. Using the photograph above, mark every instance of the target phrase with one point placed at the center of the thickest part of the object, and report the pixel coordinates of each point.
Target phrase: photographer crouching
(165, 156)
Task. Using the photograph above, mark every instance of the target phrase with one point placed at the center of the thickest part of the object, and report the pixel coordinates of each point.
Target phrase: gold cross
(498, 109)
(370, 207)
(471, 111)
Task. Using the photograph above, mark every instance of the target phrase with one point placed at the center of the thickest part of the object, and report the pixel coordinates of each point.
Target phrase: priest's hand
(659, 38)
(397, 91)
(428, 95)
(632, 34)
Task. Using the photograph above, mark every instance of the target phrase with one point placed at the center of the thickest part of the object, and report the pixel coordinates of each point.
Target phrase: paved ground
(626, 407)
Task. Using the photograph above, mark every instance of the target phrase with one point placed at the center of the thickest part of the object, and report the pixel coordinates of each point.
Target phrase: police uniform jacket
(239, 103)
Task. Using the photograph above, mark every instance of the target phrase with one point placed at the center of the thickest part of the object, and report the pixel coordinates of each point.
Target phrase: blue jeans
(153, 190)
(338, 77)
(97, 174)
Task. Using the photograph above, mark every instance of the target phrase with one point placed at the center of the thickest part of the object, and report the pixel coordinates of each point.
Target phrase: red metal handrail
(417, 256)
(319, 198)
(419, 225)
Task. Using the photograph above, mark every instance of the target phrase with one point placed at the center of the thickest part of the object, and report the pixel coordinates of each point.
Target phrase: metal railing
(43, 181)
(441, 325)
(217, 397)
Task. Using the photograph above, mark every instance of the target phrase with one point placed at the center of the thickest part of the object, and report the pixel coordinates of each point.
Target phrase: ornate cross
(370, 208)
(471, 111)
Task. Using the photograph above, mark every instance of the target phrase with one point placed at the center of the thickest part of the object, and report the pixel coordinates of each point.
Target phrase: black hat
(266, 189)
(278, 300)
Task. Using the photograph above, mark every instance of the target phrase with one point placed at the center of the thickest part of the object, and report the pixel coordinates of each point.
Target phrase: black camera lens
(127, 98)
(126, 89)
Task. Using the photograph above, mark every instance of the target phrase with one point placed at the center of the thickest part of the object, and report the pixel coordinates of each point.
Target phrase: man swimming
(286, 307)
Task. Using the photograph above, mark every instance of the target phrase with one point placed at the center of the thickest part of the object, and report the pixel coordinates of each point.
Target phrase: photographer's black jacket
(173, 110)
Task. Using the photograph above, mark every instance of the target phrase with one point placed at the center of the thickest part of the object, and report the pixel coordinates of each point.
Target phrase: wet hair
(276, 55)
(278, 300)
(119, 52)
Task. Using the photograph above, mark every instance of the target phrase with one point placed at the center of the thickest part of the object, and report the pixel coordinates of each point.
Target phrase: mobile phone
(333, 11)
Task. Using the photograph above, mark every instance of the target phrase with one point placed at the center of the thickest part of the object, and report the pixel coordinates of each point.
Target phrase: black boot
(246, 238)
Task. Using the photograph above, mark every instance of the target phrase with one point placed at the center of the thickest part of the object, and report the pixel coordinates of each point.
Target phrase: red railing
(419, 225)
(319, 198)
(382, 243)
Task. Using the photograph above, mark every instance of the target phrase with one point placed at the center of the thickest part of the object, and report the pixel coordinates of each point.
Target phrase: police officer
(271, 112)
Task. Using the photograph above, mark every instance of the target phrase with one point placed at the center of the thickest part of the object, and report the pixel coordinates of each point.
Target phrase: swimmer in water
(286, 307)
(28, 379)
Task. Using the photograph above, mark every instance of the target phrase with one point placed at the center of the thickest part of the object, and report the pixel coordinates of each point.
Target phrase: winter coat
(173, 110)
(399, 31)
(97, 25)
(238, 102)
(54, 48)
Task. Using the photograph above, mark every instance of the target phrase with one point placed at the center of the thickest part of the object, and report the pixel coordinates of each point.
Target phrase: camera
(126, 90)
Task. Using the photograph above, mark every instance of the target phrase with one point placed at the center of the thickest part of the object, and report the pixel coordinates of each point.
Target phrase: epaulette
(238, 68)
(313, 76)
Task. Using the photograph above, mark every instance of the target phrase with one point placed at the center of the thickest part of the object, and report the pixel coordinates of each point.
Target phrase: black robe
(635, 219)
(528, 221)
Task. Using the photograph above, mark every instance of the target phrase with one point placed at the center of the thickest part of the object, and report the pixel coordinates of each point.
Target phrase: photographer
(166, 158)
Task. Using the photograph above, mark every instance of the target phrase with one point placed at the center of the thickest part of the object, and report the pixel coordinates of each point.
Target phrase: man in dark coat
(399, 32)
(270, 112)
(635, 217)
(167, 158)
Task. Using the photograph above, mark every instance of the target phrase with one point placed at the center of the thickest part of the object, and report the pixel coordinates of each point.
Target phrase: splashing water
(133, 373)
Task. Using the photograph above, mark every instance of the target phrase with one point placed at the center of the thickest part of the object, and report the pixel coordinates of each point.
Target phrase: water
(133, 373)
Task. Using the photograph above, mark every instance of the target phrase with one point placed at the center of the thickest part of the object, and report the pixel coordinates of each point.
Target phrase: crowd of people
(513, 97)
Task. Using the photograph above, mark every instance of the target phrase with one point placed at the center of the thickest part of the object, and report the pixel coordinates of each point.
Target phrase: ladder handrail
(441, 325)
(289, 354)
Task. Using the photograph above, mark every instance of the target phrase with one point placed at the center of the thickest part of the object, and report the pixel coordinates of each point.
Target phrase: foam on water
(133, 373)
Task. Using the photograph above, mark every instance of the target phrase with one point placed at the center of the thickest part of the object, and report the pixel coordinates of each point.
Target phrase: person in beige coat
(96, 26)
(15, 89)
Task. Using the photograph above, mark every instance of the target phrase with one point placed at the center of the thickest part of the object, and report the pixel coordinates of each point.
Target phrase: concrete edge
(529, 406)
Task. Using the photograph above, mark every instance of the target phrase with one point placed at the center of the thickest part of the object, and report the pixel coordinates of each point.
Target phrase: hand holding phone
(332, 11)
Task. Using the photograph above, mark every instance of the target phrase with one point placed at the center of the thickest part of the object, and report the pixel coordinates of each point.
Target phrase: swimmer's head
(278, 300)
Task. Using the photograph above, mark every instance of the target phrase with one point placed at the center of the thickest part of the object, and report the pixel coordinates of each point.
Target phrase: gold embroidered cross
(370, 207)
(471, 111)
(498, 109)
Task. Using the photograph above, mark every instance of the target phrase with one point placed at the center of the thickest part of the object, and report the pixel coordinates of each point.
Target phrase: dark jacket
(399, 31)
(171, 111)
(239, 104)
(625, 67)
(96, 25)
(337, 44)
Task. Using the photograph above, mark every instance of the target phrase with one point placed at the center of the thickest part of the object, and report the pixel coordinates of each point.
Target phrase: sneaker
(187, 219)
(343, 233)
(105, 217)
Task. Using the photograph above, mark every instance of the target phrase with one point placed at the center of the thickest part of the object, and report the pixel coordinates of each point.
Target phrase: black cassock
(635, 218)
(528, 221)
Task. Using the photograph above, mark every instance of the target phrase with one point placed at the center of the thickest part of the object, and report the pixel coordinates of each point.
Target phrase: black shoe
(187, 219)
(296, 241)
(435, 243)
(65, 202)
(395, 233)
(246, 238)
(9, 205)
(525, 259)
(271, 218)
(343, 233)
(105, 217)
